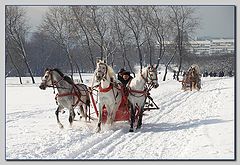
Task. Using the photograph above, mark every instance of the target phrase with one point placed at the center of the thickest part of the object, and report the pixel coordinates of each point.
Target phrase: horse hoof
(139, 126)
(131, 130)
(98, 130)
(60, 126)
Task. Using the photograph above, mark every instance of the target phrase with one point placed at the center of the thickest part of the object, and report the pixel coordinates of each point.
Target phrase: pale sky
(216, 21)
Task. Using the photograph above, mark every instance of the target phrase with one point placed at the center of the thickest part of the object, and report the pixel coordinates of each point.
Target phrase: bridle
(149, 79)
(54, 84)
(104, 73)
(104, 78)
(192, 73)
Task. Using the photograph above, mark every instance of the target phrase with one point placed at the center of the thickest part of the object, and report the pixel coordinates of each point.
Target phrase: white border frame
(110, 2)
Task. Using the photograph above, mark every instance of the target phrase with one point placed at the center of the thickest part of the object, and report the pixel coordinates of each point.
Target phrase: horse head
(50, 78)
(194, 70)
(101, 70)
(46, 79)
(152, 78)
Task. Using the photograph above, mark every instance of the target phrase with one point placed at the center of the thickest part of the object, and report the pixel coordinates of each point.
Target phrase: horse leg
(99, 117)
(191, 86)
(85, 111)
(132, 118)
(195, 85)
(88, 108)
(57, 112)
(199, 84)
(82, 112)
(71, 115)
(139, 125)
(110, 115)
(183, 88)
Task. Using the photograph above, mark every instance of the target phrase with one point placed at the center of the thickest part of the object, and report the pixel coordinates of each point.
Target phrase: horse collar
(105, 89)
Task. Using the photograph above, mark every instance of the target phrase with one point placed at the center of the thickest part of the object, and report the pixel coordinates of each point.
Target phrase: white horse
(108, 94)
(69, 94)
(139, 88)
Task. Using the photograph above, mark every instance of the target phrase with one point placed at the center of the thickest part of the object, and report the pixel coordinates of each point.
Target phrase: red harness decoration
(67, 94)
(105, 89)
(74, 93)
(137, 91)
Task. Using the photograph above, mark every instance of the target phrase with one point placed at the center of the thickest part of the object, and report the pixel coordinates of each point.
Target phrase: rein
(110, 87)
(146, 90)
(76, 91)
(111, 83)
(146, 78)
(54, 83)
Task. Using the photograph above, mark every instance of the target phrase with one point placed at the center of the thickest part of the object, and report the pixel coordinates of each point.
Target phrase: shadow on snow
(163, 127)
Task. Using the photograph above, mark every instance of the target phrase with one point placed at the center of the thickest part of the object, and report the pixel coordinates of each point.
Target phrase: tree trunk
(166, 67)
(179, 68)
(69, 60)
(15, 66)
(87, 38)
(79, 72)
(26, 62)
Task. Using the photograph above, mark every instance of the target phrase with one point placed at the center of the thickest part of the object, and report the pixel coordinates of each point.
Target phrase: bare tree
(97, 27)
(80, 14)
(156, 18)
(58, 25)
(8, 53)
(184, 23)
(172, 54)
(132, 18)
(16, 34)
(123, 37)
(148, 34)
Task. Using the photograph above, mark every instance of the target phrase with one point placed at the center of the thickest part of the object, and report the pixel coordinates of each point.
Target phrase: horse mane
(144, 70)
(110, 70)
(58, 71)
(65, 77)
(196, 67)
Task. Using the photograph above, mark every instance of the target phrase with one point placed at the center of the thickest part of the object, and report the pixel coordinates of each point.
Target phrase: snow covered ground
(188, 125)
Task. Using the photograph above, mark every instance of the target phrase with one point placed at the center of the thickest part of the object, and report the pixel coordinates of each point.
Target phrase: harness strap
(105, 89)
(145, 79)
(75, 93)
(144, 92)
(137, 91)
(66, 94)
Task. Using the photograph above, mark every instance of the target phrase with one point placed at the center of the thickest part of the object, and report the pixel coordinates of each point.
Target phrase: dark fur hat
(126, 73)
(121, 70)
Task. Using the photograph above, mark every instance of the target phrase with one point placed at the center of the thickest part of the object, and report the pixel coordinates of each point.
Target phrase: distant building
(200, 47)
(222, 46)
(209, 47)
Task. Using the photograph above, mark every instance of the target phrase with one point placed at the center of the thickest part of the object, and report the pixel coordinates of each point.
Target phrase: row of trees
(72, 37)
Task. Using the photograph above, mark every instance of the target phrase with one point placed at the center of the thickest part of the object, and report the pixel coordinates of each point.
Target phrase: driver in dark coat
(120, 74)
(126, 77)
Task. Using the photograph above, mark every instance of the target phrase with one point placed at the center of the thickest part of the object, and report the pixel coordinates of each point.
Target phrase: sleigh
(192, 79)
(123, 111)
